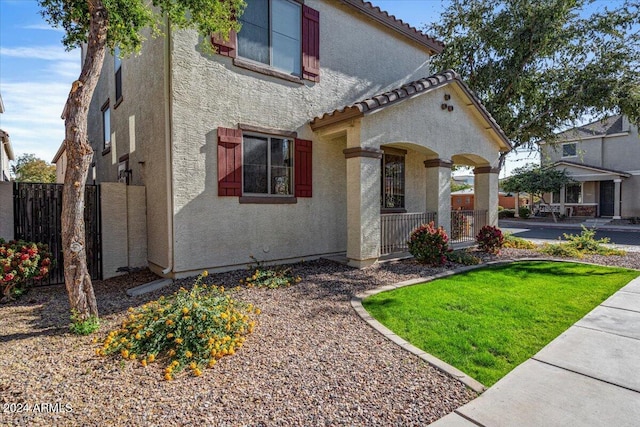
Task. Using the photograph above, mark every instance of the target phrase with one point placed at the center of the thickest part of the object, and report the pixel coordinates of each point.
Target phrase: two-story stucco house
(603, 158)
(293, 140)
(6, 152)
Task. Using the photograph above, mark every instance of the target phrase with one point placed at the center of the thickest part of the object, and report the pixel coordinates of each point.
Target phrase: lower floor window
(573, 193)
(392, 181)
(267, 165)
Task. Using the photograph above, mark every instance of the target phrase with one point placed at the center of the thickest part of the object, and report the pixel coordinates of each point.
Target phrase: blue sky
(36, 72)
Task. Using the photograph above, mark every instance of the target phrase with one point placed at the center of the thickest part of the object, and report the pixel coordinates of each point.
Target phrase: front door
(607, 197)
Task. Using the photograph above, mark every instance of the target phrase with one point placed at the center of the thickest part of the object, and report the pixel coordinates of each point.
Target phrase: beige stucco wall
(123, 218)
(630, 206)
(6, 210)
(139, 128)
(421, 121)
(358, 59)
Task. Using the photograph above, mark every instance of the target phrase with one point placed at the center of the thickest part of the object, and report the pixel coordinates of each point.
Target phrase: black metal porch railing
(396, 228)
(465, 225)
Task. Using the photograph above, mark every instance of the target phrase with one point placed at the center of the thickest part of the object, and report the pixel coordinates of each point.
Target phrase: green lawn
(486, 322)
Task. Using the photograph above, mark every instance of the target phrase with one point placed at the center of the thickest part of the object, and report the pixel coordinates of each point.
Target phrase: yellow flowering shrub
(190, 329)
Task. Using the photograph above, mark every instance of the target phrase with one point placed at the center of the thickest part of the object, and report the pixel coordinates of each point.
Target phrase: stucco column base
(363, 205)
(438, 191)
(486, 192)
(361, 263)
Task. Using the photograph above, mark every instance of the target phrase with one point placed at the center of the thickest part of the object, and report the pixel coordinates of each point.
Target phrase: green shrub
(511, 241)
(561, 250)
(506, 213)
(83, 327)
(524, 212)
(489, 239)
(190, 329)
(586, 243)
(500, 208)
(429, 245)
(20, 262)
(276, 277)
(463, 257)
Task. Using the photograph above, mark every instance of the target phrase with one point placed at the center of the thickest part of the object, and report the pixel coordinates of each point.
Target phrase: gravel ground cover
(310, 361)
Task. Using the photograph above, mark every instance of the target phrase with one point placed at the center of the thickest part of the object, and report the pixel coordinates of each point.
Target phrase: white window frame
(575, 145)
(106, 127)
(580, 197)
(298, 72)
(292, 166)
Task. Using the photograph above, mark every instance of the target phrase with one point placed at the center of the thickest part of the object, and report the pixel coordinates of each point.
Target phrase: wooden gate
(37, 218)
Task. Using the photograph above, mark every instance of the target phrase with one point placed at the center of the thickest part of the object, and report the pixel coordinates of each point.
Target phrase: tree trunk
(79, 157)
(553, 215)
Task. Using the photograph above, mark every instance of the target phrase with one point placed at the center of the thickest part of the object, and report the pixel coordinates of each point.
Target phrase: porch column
(486, 192)
(617, 198)
(363, 205)
(517, 206)
(563, 195)
(439, 191)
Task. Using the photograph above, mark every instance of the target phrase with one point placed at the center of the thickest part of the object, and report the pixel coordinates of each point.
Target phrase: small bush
(462, 257)
(83, 327)
(489, 239)
(506, 213)
(524, 212)
(500, 208)
(511, 241)
(429, 245)
(273, 278)
(561, 250)
(190, 329)
(21, 261)
(586, 243)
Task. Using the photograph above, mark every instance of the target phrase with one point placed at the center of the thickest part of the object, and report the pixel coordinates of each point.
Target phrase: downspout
(168, 123)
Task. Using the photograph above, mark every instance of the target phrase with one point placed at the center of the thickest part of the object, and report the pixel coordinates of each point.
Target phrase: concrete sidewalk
(588, 376)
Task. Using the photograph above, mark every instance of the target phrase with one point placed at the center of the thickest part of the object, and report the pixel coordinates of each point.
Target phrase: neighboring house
(603, 158)
(293, 140)
(6, 152)
(465, 199)
(60, 160)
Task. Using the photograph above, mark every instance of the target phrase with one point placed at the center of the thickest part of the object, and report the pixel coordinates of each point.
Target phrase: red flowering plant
(429, 245)
(21, 261)
(490, 239)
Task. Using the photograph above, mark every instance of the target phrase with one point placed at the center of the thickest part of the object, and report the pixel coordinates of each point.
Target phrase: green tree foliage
(541, 65)
(537, 181)
(101, 25)
(29, 168)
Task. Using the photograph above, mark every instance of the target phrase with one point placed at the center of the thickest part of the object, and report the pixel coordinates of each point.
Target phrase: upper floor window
(271, 34)
(268, 165)
(393, 180)
(569, 150)
(106, 126)
(117, 65)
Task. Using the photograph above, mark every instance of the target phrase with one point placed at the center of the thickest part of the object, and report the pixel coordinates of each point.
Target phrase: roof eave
(390, 21)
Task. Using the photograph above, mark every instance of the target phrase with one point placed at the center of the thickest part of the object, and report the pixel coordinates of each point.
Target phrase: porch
(396, 228)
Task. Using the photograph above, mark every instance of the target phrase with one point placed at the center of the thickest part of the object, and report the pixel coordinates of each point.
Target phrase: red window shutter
(303, 169)
(225, 47)
(310, 44)
(229, 162)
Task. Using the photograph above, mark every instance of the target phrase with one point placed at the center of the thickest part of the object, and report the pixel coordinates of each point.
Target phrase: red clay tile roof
(396, 24)
(407, 91)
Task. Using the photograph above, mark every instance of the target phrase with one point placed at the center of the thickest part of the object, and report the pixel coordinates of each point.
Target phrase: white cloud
(47, 53)
(43, 27)
(32, 116)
